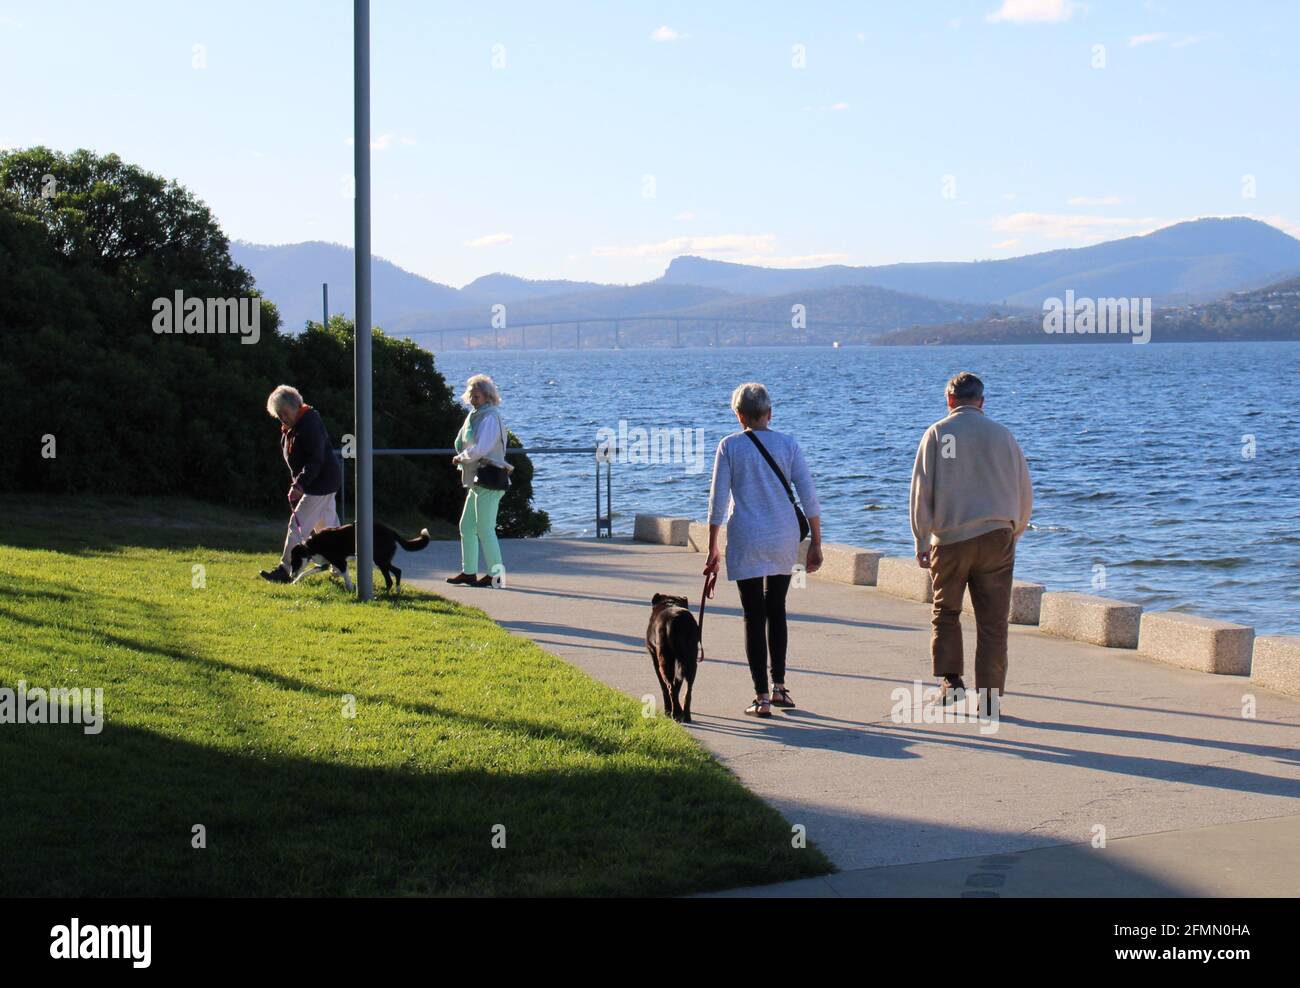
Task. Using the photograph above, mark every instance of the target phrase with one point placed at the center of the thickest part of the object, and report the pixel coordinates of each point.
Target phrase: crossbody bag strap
(772, 463)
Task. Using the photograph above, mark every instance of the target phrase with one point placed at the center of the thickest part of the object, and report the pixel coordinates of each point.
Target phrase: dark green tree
(87, 243)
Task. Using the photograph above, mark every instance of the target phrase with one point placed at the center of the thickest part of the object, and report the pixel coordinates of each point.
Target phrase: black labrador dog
(673, 639)
(334, 546)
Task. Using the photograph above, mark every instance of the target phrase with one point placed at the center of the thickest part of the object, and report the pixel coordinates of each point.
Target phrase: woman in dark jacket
(314, 473)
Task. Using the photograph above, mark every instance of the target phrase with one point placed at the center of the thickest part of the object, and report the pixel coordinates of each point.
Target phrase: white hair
(751, 400)
(486, 387)
(282, 397)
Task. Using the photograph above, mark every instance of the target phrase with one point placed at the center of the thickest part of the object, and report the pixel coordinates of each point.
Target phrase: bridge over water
(609, 332)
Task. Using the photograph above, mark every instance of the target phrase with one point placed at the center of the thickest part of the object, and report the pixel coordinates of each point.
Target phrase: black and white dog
(335, 546)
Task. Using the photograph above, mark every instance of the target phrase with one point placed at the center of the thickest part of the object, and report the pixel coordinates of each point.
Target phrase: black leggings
(765, 629)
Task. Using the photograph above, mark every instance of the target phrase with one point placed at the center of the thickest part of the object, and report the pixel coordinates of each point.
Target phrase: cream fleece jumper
(970, 477)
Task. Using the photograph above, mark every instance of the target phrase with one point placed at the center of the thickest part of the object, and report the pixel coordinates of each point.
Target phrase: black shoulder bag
(804, 528)
(488, 474)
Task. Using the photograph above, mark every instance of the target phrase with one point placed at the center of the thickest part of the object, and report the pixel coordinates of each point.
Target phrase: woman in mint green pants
(481, 457)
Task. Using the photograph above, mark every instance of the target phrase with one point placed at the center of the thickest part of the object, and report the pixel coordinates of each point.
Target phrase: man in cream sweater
(971, 500)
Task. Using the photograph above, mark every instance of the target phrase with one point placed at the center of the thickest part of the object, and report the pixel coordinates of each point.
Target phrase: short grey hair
(282, 397)
(965, 388)
(751, 400)
(486, 386)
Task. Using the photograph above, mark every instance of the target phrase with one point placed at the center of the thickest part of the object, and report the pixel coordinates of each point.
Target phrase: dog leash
(710, 580)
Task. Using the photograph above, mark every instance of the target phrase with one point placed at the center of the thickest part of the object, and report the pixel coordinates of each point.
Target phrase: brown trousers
(985, 564)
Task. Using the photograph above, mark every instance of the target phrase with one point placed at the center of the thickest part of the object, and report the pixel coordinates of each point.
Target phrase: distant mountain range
(291, 275)
(1181, 264)
(1268, 313)
(1199, 259)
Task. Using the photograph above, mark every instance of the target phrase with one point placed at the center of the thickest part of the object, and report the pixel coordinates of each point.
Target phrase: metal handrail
(604, 453)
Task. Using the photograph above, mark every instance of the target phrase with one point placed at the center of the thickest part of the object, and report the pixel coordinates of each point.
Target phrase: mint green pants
(478, 523)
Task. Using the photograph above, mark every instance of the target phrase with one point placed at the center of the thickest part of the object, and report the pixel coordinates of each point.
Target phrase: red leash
(710, 580)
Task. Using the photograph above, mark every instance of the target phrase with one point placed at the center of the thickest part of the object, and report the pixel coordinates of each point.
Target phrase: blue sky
(618, 135)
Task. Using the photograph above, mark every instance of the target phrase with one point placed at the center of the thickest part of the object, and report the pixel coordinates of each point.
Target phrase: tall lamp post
(365, 490)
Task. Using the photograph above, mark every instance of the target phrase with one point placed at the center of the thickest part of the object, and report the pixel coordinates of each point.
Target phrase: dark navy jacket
(310, 455)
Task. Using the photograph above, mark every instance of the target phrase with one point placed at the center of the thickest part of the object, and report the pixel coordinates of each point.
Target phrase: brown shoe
(462, 580)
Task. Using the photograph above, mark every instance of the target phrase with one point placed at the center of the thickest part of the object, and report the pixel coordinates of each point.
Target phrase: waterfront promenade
(1192, 797)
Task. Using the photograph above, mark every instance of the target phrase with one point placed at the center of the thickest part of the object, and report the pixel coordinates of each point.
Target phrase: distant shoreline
(1045, 340)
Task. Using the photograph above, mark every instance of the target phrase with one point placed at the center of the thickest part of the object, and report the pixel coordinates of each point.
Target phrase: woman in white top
(762, 534)
(481, 450)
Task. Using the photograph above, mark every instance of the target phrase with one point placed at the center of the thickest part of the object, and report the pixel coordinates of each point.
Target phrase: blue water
(1136, 452)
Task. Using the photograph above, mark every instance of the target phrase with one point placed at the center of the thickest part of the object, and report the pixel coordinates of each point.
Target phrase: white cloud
(862, 35)
(832, 108)
(381, 143)
(1095, 200)
(1080, 227)
(664, 33)
(685, 217)
(1033, 11)
(725, 243)
(1159, 36)
(1006, 244)
(491, 240)
(1091, 229)
(803, 261)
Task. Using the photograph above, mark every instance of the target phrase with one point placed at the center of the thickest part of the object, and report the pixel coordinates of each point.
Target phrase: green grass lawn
(225, 706)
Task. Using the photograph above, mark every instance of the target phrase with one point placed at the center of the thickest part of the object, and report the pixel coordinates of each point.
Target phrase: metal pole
(361, 165)
(324, 305)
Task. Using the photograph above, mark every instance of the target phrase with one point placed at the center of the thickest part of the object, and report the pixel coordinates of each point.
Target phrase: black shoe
(277, 575)
(462, 580)
(951, 691)
(484, 581)
(989, 703)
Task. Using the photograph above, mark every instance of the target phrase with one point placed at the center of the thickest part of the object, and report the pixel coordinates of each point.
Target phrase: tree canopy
(97, 402)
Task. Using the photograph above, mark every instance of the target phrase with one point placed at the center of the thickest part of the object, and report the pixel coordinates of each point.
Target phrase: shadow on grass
(113, 815)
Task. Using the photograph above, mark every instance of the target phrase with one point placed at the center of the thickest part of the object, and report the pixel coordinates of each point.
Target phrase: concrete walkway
(1159, 757)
